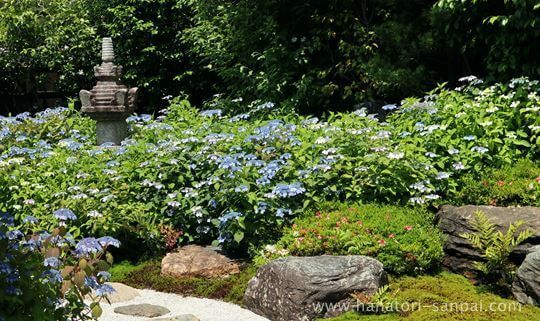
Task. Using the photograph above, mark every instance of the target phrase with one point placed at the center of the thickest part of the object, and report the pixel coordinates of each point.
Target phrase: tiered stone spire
(110, 102)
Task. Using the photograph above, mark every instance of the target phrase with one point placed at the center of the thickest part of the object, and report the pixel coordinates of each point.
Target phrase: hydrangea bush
(238, 179)
(51, 276)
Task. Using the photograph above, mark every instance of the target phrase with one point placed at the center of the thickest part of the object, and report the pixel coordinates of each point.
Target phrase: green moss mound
(436, 294)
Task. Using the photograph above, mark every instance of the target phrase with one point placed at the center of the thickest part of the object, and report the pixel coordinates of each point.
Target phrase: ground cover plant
(437, 293)
(239, 179)
(404, 240)
(515, 184)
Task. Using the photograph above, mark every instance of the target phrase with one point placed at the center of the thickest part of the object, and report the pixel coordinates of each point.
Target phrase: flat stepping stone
(185, 317)
(142, 310)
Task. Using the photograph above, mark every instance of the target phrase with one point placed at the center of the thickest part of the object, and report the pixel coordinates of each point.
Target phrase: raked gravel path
(204, 309)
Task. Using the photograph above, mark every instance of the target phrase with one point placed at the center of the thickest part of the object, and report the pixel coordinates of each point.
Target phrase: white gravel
(204, 309)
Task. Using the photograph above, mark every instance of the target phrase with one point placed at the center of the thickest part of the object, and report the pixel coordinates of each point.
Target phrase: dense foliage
(147, 37)
(240, 179)
(37, 37)
(315, 55)
(46, 276)
(404, 240)
(515, 184)
(309, 56)
(496, 38)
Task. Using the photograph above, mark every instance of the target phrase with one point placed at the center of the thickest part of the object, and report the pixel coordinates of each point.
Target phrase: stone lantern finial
(107, 50)
(110, 102)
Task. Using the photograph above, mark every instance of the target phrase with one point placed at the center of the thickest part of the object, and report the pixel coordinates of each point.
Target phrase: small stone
(184, 317)
(198, 261)
(123, 293)
(142, 310)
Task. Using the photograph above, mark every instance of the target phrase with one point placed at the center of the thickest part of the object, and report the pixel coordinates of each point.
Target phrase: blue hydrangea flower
(14, 234)
(30, 220)
(13, 277)
(91, 282)
(108, 241)
(105, 275)
(241, 189)
(288, 190)
(6, 219)
(389, 107)
(51, 262)
(211, 112)
(52, 276)
(11, 290)
(281, 212)
(229, 216)
(65, 214)
(88, 246)
(442, 175)
(104, 290)
(479, 149)
(5, 268)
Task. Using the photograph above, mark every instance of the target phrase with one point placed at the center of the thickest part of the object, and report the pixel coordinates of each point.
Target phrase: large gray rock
(526, 286)
(453, 221)
(142, 310)
(297, 288)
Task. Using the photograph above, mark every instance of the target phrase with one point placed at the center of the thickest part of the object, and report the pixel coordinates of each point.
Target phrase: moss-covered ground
(442, 297)
(147, 275)
(447, 297)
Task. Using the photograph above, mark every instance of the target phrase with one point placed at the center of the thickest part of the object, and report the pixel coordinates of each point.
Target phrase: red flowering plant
(403, 239)
(511, 185)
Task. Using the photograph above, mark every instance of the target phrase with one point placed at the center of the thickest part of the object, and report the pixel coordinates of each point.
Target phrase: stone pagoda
(110, 102)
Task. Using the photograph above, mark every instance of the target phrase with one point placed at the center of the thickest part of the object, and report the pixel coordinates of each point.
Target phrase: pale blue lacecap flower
(105, 275)
(108, 241)
(88, 246)
(104, 290)
(52, 261)
(52, 276)
(64, 214)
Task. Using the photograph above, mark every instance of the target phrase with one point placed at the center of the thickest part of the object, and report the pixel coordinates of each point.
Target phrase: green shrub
(239, 179)
(403, 239)
(516, 184)
(37, 37)
(147, 38)
(496, 39)
(315, 56)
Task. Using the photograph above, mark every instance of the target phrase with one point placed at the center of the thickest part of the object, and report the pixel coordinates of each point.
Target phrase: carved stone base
(111, 131)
